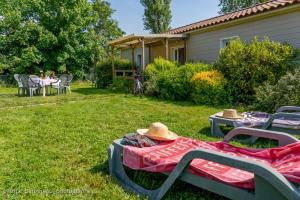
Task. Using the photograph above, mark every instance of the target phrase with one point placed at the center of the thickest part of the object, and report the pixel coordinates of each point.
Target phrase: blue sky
(129, 13)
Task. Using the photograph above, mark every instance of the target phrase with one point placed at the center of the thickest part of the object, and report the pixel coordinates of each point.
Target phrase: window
(224, 42)
(139, 61)
(178, 55)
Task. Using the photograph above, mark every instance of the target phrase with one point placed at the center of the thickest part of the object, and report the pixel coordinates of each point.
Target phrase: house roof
(254, 10)
(148, 38)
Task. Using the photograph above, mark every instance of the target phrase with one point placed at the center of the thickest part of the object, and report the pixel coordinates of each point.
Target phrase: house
(201, 41)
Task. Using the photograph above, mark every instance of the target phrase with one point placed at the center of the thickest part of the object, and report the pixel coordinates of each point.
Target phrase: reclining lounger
(269, 184)
(279, 121)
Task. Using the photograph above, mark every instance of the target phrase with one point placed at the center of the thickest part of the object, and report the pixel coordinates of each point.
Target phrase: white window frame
(174, 49)
(223, 40)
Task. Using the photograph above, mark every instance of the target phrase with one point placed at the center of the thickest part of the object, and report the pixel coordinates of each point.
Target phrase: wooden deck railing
(125, 73)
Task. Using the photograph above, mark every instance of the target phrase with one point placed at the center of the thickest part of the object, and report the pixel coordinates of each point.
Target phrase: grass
(52, 146)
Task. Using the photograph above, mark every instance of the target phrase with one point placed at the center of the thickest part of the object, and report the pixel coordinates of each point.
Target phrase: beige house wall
(283, 28)
(127, 54)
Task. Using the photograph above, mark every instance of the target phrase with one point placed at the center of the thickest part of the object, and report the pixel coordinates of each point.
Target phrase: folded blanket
(165, 156)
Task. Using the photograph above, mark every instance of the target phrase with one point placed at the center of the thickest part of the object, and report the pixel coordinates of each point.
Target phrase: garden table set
(32, 83)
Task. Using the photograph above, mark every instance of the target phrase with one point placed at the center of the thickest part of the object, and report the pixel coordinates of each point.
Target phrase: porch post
(185, 50)
(132, 58)
(113, 61)
(167, 48)
(149, 52)
(143, 55)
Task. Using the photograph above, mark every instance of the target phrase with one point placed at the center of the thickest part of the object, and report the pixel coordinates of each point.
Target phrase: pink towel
(165, 156)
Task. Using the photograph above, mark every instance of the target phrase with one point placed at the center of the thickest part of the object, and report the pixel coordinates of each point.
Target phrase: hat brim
(171, 136)
(239, 116)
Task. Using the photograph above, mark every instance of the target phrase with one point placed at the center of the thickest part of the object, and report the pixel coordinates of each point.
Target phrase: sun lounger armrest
(281, 115)
(288, 108)
(282, 138)
(286, 116)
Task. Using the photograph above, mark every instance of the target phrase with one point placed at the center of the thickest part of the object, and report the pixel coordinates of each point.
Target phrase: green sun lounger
(269, 184)
(274, 123)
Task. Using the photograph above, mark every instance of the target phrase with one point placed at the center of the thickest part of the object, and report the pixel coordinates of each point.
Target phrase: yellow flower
(213, 77)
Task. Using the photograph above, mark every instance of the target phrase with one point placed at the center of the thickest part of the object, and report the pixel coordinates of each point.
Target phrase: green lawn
(51, 144)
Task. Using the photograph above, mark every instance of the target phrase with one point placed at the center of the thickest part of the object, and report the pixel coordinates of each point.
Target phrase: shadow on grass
(184, 103)
(152, 181)
(9, 95)
(205, 131)
(97, 91)
(100, 168)
(89, 91)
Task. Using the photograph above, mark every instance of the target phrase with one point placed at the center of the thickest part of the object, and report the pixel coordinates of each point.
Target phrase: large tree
(157, 15)
(234, 5)
(61, 35)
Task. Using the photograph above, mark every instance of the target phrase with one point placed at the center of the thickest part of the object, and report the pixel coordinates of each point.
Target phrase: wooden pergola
(140, 41)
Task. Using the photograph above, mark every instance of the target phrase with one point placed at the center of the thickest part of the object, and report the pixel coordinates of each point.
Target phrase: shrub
(122, 84)
(286, 92)
(246, 66)
(153, 71)
(104, 71)
(176, 83)
(208, 88)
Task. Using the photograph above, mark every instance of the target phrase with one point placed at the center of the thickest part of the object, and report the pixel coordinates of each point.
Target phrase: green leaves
(157, 15)
(234, 5)
(247, 66)
(55, 35)
(285, 92)
(169, 81)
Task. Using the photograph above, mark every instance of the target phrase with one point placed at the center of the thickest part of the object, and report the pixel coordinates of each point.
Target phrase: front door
(181, 59)
(179, 55)
(139, 63)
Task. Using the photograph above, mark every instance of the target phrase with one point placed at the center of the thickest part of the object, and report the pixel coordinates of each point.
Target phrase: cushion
(165, 156)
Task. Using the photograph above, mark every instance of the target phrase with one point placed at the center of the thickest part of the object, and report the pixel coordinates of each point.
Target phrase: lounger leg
(264, 190)
(215, 129)
(116, 169)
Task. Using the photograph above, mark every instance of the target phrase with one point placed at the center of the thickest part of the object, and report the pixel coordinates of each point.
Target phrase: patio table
(47, 82)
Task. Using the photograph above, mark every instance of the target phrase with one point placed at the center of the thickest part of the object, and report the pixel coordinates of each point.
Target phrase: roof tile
(259, 8)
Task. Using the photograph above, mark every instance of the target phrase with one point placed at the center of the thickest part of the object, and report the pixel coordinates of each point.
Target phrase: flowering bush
(208, 88)
(210, 77)
(176, 83)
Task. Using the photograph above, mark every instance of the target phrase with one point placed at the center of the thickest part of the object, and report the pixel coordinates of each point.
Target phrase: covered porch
(148, 46)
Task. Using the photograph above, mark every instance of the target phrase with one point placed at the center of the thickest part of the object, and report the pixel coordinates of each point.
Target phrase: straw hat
(158, 131)
(230, 114)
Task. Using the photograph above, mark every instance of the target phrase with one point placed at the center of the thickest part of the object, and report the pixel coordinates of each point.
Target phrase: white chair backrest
(17, 78)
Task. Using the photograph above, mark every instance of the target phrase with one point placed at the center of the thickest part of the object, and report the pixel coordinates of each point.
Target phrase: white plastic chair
(20, 85)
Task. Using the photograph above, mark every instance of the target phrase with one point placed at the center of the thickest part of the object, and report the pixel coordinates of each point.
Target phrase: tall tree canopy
(61, 35)
(234, 5)
(157, 15)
